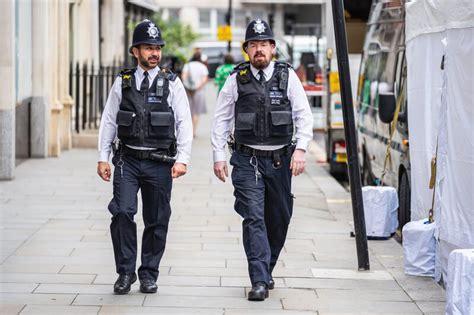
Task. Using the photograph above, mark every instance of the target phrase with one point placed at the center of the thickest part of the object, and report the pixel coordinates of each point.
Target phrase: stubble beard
(144, 62)
(260, 64)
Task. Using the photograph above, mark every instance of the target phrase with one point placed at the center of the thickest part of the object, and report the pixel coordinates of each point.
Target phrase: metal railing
(89, 85)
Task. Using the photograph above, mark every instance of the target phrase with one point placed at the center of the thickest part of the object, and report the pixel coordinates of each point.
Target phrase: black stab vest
(263, 114)
(145, 119)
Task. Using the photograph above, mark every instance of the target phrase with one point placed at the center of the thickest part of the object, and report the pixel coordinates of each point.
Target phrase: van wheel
(404, 199)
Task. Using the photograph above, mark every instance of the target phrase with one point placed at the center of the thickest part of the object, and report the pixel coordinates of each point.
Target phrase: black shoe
(259, 292)
(124, 282)
(271, 284)
(148, 286)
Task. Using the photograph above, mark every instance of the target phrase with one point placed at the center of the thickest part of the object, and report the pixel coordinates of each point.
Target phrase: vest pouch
(245, 124)
(281, 123)
(161, 125)
(125, 121)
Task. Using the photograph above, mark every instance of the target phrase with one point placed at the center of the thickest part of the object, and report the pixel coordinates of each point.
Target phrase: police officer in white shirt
(261, 103)
(148, 111)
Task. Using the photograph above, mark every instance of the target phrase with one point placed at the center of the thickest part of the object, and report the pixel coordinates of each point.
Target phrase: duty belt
(154, 155)
(245, 149)
(274, 154)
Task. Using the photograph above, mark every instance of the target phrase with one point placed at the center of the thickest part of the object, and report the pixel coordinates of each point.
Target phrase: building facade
(290, 17)
(43, 41)
(35, 103)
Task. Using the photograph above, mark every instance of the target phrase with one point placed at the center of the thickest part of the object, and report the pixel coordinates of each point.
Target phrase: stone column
(55, 126)
(65, 98)
(7, 90)
(113, 32)
(40, 102)
(23, 73)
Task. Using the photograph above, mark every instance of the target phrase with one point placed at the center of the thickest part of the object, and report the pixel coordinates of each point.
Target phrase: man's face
(260, 53)
(148, 56)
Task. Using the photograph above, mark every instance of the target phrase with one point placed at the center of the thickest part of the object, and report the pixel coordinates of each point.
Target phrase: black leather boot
(124, 282)
(148, 286)
(259, 292)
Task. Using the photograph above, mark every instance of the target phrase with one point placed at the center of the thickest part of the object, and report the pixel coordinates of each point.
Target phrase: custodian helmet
(146, 32)
(258, 30)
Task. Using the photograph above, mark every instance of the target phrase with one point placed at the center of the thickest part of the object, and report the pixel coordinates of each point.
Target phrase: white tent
(441, 116)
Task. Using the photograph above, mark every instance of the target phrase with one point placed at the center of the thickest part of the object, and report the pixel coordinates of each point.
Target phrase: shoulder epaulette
(241, 66)
(243, 72)
(168, 74)
(127, 75)
(127, 72)
(282, 63)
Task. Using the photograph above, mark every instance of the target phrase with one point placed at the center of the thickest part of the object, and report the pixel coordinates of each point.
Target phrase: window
(239, 19)
(204, 18)
(258, 15)
(173, 14)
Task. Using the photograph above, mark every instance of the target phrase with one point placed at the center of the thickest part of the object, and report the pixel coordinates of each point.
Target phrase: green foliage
(177, 35)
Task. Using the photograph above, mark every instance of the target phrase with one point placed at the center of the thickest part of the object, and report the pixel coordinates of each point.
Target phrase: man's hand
(103, 170)
(220, 170)
(298, 162)
(179, 169)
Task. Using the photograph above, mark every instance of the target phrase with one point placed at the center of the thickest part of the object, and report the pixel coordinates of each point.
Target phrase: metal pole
(328, 103)
(350, 133)
(77, 96)
(229, 19)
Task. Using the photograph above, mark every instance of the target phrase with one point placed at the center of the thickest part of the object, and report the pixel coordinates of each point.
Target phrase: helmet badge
(259, 27)
(153, 30)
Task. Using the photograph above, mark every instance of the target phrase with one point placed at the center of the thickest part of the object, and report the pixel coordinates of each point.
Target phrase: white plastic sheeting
(460, 284)
(436, 16)
(380, 210)
(441, 111)
(419, 248)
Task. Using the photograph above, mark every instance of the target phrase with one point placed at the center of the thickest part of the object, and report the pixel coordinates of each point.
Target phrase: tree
(177, 35)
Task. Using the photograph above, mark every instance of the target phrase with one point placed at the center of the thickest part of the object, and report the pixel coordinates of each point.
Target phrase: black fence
(89, 85)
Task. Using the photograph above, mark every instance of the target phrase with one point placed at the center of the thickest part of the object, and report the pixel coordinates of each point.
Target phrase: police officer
(263, 101)
(148, 111)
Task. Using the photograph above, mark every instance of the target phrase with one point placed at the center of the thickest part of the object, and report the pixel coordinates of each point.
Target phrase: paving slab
(128, 310)
(210, 302)
(46, 278)
(49, 309)
(110, 299)
(29, 298)
(342, 284)
(11, 309)
(268, 312)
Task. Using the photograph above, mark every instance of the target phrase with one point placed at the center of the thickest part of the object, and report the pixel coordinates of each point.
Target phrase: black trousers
(266, 205)
(154, 180)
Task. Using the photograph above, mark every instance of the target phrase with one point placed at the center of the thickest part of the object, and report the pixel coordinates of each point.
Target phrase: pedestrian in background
(195, 76)
(264, 101)
(148, 111)
(223, 71)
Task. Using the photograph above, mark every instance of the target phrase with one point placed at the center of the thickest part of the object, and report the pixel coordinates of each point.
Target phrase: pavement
(56, 252)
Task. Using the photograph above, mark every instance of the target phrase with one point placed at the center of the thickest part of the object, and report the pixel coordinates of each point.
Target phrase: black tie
(145, 83)
(262, 76)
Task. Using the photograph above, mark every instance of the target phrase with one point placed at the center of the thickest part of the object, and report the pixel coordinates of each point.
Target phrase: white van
(381, 76)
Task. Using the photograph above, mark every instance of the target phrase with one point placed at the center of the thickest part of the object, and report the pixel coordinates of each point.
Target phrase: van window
(380, 59)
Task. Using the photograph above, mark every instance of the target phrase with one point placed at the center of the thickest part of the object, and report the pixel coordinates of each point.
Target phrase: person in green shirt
(223, 71)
